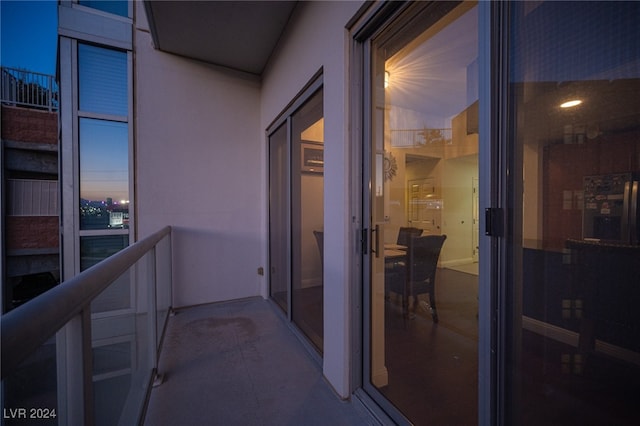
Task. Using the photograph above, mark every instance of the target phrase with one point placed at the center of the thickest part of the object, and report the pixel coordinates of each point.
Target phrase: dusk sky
(29, 41)
(29, 35)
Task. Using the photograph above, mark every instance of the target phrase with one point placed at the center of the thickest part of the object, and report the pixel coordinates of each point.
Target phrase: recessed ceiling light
(571, 103)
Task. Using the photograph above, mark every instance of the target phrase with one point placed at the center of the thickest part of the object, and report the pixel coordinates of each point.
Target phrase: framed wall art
(312, 157)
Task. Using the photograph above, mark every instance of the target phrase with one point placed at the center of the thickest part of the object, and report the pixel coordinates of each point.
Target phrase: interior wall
(398, 188)
(312, 209)
(427, 168)
(199, 168)
(457, 215)
(395, 194)
(316, 39)
(532, 195)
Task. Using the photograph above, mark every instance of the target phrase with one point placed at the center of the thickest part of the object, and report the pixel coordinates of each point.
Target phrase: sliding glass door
(571, 307)
(296, 214)
(421, 198)
(530, 315)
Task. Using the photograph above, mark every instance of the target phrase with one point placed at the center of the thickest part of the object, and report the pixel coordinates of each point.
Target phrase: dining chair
(395, 269)
(423, 255)
(406, 233)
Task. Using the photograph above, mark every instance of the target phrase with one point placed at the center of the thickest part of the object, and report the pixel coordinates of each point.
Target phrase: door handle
(376, 240)
(633, 214)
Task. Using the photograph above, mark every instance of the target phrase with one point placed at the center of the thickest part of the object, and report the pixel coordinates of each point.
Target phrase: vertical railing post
(50, 93)
(87, 367)
(170, 263)
(14, 90)
(153, 307)
(21, 95)
(75, 395)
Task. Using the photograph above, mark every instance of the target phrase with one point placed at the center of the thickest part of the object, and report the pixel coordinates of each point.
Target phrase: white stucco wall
(316, 38)
(199, 168)
(201, 155)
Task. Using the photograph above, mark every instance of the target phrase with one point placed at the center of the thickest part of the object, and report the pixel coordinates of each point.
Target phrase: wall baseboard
(572, 338)
(456, 262)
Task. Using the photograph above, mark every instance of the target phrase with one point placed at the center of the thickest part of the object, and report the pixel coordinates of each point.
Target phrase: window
(104, 174)
(97, 179)
(103, 138)
(102, 75)
(117, 7)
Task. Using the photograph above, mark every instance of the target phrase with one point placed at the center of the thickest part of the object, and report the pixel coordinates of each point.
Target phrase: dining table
(394, 251)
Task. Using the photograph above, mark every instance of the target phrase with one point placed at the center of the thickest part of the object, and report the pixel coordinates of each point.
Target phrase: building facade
(30, 208)
(313, 152)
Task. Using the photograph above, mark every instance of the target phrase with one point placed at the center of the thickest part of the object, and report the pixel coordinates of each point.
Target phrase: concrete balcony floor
(238, 363)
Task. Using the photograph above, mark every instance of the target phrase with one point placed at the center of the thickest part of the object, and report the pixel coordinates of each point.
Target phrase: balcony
(239, 363)
(29, 89)
(66, 357)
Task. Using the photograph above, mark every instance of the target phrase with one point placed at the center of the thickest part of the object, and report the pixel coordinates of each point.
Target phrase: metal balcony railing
(29, 89)
(86, 351)
(412, 138)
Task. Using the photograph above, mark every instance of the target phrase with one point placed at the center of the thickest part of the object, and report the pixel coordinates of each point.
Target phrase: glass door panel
(307, 218)
(424, 162)
(279, 208)
(296, 214)
(573, 352)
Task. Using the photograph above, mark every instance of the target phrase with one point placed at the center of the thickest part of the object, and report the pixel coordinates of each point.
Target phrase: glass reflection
(102, 80)
(425, 157)
(576, 352)
(279, 242)
(104, 174)
(117, 7)
(93, 249)
(307, 219)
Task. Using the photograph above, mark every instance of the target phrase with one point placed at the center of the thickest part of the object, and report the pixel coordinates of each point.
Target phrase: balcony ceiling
(236, 34)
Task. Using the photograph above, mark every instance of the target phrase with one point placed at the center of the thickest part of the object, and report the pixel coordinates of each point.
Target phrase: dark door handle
(376, 240)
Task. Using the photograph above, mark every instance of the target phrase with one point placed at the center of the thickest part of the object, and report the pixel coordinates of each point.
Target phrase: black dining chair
(424, 253)
(418, 276)
(395, 268)
(406, 233)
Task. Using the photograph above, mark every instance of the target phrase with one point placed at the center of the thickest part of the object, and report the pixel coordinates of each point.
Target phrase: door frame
(315, 84)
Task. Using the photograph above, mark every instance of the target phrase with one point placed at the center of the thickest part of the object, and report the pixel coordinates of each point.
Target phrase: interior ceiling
(431, 78)
(432, 74)
(240, 35)
(609, 106)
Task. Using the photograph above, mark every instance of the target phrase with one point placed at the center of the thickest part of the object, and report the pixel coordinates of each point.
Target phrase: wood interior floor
(433, 369)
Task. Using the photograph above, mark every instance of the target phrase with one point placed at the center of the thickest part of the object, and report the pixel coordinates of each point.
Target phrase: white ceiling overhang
(240, 35)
